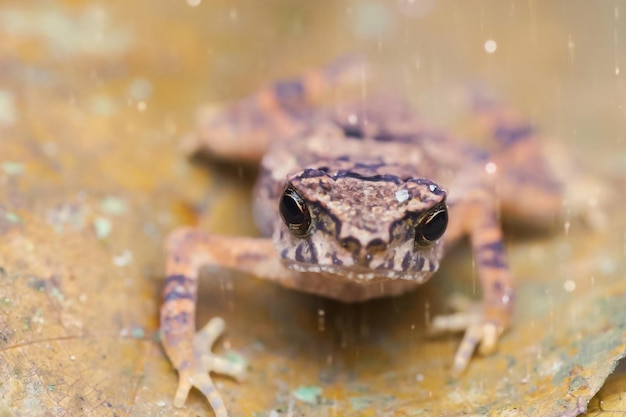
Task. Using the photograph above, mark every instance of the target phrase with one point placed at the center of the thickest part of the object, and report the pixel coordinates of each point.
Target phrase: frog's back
(286, 128)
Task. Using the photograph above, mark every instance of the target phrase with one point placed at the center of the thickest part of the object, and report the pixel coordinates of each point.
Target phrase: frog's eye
(294, 212)
(432, 226)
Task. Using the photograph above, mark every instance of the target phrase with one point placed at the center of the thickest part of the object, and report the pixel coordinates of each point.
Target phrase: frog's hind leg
(527, 187)
(244, 130)
(187, 251)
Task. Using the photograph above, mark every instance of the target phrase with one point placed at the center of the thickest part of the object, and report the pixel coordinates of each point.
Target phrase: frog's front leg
(188, 250)
(484, 324)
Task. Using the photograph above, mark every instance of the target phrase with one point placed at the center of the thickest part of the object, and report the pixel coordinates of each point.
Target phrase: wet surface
(93, 101)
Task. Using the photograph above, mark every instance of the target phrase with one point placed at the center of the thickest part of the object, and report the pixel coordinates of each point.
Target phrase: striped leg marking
(190, 351)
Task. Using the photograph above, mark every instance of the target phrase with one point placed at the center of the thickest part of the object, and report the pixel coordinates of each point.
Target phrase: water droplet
(491, 167)
(125, 258)
(491, 46)
(402, 196)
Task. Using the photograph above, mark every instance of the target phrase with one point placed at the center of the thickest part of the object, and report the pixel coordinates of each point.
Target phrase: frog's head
(361, 225)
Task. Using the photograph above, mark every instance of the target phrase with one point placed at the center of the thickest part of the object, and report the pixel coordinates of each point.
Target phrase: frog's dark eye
(432, 226)
(294, 212)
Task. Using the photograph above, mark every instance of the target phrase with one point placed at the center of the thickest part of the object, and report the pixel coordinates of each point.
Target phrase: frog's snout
(364, 253)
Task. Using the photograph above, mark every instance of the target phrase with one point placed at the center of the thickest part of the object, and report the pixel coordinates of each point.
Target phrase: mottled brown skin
(369, 176)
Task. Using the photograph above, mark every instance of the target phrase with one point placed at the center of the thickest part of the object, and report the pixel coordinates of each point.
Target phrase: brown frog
(358, 201)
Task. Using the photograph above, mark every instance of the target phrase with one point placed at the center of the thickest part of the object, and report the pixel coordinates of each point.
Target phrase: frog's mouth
(360, 274)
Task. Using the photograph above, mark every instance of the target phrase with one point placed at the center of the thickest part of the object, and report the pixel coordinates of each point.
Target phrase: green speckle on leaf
(12, 217)
(562, 402)
(103, 227)
(360, 403)
(577, 383)
(13, 168)
(113, 205)
(308, 393)
(510, 361)
(56, 293)
(236, 358)
(103, 106)
(137, 332)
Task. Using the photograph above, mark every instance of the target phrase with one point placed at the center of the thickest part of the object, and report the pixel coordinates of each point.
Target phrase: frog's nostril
(376, 245)
(351, 244)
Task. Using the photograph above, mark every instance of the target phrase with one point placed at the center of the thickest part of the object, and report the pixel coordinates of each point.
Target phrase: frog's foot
(195, 373)
(482, 329)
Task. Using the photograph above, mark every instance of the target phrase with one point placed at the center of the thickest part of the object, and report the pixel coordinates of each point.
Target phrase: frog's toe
(483, 336)
(206, 337)
(456, 322)
(200, 379)
(195, 373)
(481, 333)
(471, 339)
(204, 340)
(489, 341)
(223, 366)
(185, 379)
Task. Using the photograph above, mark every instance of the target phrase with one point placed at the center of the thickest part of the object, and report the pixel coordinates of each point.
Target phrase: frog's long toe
(204, 340)
(199, 378)
(196, 372)
(480, 333)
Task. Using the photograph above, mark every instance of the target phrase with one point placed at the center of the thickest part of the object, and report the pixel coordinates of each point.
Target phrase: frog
(356, 201)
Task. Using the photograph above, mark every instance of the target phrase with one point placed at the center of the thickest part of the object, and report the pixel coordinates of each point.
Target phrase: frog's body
(354, 202)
